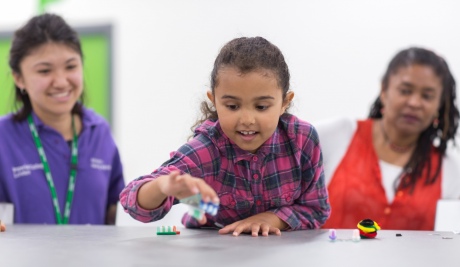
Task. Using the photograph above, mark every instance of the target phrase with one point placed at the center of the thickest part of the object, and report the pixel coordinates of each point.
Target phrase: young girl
(263, 164)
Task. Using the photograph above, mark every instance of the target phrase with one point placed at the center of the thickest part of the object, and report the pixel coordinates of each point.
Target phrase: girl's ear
(18, 80)
(211, 97)
(287, 100)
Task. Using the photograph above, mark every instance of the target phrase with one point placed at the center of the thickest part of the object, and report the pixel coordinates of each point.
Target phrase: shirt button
(255, 176)
(288, 199)
(255, 158)
(258, 202)
(387, 210)
(400, 193)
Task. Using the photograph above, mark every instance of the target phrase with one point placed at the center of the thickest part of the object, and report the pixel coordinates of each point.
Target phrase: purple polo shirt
(99, 177)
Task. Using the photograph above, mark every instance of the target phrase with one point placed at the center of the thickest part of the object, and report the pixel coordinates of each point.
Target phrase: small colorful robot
(368, 228)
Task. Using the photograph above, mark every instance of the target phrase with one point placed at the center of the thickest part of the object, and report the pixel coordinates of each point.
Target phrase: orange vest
(356, 191)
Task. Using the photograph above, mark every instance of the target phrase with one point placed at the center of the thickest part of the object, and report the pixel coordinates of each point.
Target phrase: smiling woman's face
(411, 101)
(52, 76)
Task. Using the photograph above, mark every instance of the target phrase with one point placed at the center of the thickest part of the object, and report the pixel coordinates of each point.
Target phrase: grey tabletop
(33, 245)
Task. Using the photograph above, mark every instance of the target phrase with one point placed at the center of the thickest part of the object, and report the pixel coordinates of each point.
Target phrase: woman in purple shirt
(262, 165)
(58, 161)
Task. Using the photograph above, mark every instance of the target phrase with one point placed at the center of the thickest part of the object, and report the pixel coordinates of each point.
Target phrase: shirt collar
(88, 119)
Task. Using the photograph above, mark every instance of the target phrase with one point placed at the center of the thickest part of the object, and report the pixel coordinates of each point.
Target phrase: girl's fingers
(274, 230)
(244, 227)
(265, 229)
(173, 178)
(203, 220)
(255, 228)
(227, 229)
(189, 183)
(197, 185)
(207, 193)
(174, 174)
(185, 185)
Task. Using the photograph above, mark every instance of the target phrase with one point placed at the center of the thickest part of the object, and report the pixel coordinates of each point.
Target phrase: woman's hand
(265, 223)
(2, 227)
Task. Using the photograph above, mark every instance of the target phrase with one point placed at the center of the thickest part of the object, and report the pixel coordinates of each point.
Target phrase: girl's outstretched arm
(150, 198)
(152, 194)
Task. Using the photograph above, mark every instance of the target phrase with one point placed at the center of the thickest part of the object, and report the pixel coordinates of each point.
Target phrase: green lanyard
(49, 178)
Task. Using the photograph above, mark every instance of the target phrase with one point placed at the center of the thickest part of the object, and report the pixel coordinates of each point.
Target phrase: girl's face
(52, 75)
(248, 106)
(412, 99)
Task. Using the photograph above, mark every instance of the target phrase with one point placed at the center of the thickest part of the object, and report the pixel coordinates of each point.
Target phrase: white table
(41, 245)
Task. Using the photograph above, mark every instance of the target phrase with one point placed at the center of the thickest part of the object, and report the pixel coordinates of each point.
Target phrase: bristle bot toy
(356, 235)
(198, 207)
(167, 230)
(332, 234)
(368, 228)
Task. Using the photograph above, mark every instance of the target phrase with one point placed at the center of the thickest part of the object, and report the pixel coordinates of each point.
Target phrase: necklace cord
(393, 146)
(60, 219)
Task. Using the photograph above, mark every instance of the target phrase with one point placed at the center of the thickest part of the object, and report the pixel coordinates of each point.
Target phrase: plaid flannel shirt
(285, 176)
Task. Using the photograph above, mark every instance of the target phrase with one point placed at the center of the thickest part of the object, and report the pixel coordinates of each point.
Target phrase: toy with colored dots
(198, 207)
(167, 230)
(368, 228)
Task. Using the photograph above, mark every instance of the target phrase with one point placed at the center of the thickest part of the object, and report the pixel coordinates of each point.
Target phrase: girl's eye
(262, 107)
(232, 107)
(70, 67)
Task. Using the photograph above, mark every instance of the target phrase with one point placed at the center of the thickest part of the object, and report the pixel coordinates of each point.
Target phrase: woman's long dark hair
(447, 121)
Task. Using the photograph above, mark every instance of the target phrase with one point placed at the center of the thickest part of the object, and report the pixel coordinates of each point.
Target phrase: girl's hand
(2, 227)
(265, 223)
(153, 193)
(182, 186)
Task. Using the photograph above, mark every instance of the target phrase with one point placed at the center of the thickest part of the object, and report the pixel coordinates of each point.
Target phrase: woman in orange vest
(394, 166)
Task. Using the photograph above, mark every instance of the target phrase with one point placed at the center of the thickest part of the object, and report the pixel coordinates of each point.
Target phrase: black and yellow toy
(368, 228)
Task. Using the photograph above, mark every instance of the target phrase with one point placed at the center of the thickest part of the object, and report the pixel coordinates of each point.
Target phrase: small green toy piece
(167, 230)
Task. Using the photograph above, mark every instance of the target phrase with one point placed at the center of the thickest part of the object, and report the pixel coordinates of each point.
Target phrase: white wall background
(337, 52)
